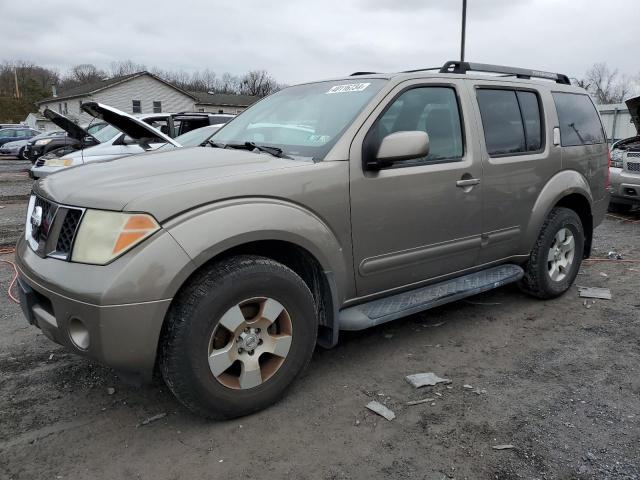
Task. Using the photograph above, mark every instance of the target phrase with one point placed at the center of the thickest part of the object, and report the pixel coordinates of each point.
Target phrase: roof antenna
(464, 28)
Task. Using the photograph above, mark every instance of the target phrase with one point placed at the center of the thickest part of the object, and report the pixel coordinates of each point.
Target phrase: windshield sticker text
(349, 87)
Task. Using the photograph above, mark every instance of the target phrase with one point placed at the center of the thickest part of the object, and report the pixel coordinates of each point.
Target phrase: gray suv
(625, 166)
(327, 206)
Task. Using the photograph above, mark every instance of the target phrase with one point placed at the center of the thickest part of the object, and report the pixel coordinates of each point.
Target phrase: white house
(141, 92)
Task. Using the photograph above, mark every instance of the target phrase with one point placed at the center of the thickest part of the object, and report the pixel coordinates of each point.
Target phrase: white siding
(146, 89)
(217, 108)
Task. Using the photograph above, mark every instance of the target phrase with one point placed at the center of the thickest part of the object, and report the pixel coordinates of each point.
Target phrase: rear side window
(512, 121)
(579, 122)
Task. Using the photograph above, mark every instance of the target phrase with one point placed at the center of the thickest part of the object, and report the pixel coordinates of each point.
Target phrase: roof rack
(464, 67)
(355, 74)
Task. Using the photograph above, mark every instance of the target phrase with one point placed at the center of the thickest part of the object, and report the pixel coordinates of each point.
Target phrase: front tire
(237, 335)
(556, 256)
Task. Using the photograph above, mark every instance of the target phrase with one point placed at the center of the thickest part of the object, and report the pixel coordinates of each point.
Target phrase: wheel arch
(567, 189)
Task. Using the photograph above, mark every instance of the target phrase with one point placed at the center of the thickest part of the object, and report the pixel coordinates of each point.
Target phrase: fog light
(78, 333)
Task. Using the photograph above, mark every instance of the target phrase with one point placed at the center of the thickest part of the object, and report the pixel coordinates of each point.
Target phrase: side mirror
(400, 146)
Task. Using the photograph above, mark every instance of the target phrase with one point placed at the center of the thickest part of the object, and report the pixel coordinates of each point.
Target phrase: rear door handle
(468, 182)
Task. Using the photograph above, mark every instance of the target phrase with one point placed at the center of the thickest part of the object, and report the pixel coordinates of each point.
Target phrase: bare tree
(258, 83)
(126, 67)
(605, 85)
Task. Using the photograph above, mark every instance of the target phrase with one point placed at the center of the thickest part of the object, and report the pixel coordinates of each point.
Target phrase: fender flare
(563, 184)
(210, 230)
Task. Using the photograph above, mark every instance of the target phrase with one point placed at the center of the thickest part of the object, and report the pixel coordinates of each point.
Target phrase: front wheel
(237, 336)
(556, 256)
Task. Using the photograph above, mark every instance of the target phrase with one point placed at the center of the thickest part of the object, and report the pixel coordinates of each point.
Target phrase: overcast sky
(298, 40)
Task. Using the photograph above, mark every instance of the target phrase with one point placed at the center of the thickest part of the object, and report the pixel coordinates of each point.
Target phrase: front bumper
(121, 306)
(624, 186)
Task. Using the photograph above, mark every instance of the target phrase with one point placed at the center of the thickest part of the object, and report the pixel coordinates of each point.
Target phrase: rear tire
(199, 335)
(556, 256)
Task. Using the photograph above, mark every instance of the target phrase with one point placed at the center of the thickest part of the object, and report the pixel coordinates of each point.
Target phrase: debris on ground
(418, 402)
(467, 386)
(418, 380)
(51, 357)
(111, 391)
(595, 292)
(433, 325)
(381, 410)
(602, 274)
(503, 447)
(477, 391)
(152, 419)
(613, 255)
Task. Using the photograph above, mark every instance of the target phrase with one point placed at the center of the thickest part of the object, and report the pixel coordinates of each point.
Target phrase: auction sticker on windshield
(349, 87)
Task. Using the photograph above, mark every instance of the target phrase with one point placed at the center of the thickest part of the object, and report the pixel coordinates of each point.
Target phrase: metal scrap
(151, 419)
(418, 402)
(381, 410)
(503, 447)
(595, 292)
(418, 380)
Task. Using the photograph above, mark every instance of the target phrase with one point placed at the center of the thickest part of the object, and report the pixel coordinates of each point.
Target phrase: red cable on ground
(7, 251)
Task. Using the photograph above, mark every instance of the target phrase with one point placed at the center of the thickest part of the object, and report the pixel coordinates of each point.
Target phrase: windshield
(305, 120)
(106, 133)
(196, 137)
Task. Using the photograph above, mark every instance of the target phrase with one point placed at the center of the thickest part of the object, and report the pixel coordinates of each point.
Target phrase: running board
(390, 308)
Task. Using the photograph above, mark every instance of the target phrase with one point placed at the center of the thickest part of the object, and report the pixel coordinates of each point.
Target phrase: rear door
(517, 160)
(414, 221)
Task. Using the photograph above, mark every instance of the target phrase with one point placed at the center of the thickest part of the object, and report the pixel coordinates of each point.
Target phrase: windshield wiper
(275, 151)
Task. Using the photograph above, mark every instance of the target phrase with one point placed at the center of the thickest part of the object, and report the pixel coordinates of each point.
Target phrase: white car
(125, 135)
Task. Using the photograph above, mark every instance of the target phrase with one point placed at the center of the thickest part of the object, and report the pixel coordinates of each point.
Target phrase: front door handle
(467, 182)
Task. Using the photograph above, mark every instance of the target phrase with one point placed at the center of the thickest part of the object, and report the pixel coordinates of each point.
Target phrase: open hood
(72, 128)
(131, 126)
(633, 104)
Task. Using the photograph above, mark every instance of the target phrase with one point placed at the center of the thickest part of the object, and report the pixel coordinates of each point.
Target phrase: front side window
(428, 109)
(304, 120)
(157, 107)
(579, 121)
(136, 106)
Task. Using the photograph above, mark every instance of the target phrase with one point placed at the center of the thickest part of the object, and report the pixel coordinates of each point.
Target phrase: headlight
(103, 236)
(44, 141)
(616, 158)
(58, 162)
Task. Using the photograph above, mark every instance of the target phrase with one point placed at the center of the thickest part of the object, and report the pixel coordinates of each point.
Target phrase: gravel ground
(557, 379)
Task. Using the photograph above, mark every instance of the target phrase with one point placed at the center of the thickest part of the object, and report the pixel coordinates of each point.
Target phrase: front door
(418, 219)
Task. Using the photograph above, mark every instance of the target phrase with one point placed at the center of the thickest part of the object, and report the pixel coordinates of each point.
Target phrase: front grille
(53, 235)
(633, 154)
(633, 166)
(68, 232)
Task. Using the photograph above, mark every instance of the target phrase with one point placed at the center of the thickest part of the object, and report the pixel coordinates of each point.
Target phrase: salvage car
(327, 206)
(625, 166)
(15, 148)
(122, 136)
(13, 134)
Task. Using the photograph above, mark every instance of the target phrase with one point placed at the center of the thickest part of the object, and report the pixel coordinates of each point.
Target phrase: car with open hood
(122, 135)
(625, 166)
(75, 136)
(332, 205)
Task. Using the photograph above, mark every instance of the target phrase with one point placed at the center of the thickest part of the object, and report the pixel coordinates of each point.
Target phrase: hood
(131, 126)
(633, 104)
(166, 183)
(72, 128)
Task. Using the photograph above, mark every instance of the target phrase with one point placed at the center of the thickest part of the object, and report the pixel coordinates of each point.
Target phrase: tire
(20, 155)
(199, 313)
(538, 277)
(619, 207)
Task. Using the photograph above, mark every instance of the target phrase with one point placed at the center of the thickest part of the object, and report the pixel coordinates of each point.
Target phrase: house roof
(224, 99)
(93, 87)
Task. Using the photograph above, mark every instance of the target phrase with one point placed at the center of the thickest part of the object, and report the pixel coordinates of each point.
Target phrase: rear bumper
(625, 187)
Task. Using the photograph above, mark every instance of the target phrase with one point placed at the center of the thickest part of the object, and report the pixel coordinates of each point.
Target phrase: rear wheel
(556, 256)
(237, 336)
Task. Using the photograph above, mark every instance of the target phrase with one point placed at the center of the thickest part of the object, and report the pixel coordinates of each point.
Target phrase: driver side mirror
(400, 146)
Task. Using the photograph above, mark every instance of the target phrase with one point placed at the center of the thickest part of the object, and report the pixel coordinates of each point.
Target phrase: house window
(80, 106)
(220, 111)
(157, 107)
(136, 106)
(59, 108)
(66, 110)
(201, 109)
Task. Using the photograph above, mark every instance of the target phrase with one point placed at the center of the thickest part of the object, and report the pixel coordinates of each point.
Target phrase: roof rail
(355, 74)
(464, 67)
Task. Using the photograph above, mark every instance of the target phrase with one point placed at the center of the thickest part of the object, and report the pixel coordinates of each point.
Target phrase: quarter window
(136, 106)
(157, 107)
(579, 122)
(429, 109)
(511, 120)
